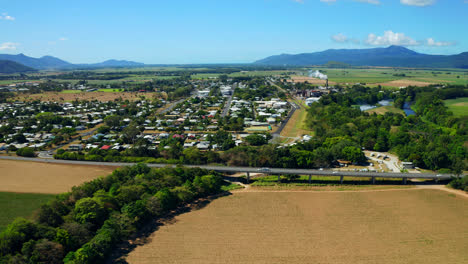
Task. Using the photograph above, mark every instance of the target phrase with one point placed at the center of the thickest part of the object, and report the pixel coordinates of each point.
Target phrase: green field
(382, 75)
(70, 91)
(458, 106)
(14, 205)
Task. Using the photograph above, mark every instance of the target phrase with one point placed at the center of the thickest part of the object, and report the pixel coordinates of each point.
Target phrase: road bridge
(248, 170)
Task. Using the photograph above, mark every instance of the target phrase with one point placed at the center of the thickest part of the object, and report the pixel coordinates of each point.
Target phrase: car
(335, 172)
(264, 169)
(321, 169)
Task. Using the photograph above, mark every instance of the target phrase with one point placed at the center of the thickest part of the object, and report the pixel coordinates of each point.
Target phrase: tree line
(84, 225)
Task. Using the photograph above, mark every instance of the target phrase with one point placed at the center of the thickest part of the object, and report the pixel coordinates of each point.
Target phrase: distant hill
(46, 62)
(7, 66)
(49, 62)
(393, 56)
(114, 63)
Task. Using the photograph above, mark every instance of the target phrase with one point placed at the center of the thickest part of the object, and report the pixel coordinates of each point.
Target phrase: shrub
(26, 152)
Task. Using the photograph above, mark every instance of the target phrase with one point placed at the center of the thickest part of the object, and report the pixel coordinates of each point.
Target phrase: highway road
(276, 171)
(227, 106)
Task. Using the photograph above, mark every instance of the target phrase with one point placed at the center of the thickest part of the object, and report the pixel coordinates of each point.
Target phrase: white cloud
(374, 2)
(339, 38)
(63, 39)
(5, 16)
(298, 1)
(9, 46)
(431, 42)
(390, 38)
(418, 2)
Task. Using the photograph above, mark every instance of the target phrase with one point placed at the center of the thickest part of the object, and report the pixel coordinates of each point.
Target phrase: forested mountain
(46, 62)
(114, 63)
(49, 62)
(393, 56)
(7, 66)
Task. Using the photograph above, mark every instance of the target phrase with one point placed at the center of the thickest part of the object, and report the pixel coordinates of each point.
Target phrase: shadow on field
(143, 235)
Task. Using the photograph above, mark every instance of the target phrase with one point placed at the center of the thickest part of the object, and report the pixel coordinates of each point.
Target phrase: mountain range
(7, 66)
(393, 56)
(49, 62)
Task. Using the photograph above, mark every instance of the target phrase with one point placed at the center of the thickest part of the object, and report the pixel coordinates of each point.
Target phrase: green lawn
(109, 90)
(458, 106)
(14, 205)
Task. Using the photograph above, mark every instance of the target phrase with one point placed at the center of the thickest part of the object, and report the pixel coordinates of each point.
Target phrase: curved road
(277, 171)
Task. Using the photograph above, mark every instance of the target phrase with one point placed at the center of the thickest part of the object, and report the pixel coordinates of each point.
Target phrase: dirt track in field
(36, 177)
(87, 96)
(404, 226)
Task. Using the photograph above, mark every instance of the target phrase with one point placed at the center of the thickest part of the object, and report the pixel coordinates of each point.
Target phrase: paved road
(284, 122)
(227, 106)
(172, 105)
(276, 171)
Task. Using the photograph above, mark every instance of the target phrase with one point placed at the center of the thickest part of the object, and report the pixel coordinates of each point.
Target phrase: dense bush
(25, 152)
(461, 184)
(84, 225)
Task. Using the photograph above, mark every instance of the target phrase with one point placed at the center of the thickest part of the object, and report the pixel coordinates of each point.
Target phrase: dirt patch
(37, 177)
(404, 83)
(413, 226)
(87, 96)
(301, 79)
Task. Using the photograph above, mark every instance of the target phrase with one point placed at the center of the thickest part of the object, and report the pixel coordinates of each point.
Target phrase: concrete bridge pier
(404, 180)
(310, 179)
(341, 179)
(248, 177)
(279, 178)
(373, 180)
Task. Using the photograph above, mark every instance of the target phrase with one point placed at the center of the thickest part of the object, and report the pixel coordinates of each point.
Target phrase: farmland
(393, 77)
(15, 205)
(458, 106)
(33, 177)
(72, 95)
(397, 226)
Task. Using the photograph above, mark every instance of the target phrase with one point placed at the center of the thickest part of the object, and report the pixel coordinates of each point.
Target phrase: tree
(46, 251)
(113, 121)
(192, 156)
(353, 154)
(26, 152)
(130, 133)
(256, 140)
(88, 210)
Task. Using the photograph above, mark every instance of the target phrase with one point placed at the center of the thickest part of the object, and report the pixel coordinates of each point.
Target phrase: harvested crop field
(37, 177)
(301, 79)
(404, 83)
(392, 226)
(87, 96)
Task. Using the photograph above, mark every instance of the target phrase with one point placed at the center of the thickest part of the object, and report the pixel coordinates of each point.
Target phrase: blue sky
(225, 31)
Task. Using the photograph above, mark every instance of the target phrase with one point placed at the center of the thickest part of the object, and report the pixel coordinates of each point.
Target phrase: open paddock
(67, 96)
(37, 177)
(381, 226)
